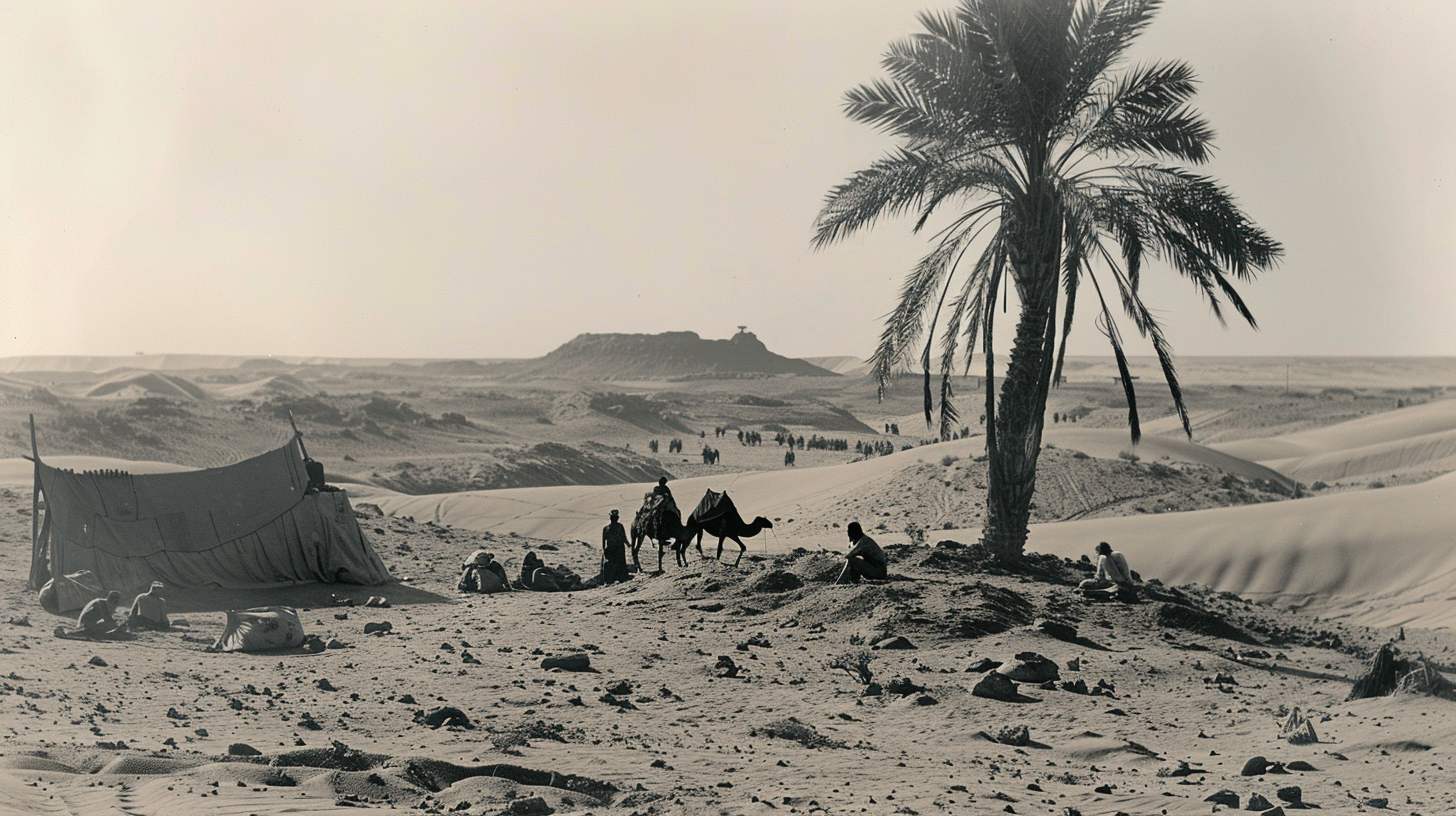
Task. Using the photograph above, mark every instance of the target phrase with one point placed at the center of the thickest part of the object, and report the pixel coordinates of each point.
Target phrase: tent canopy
(248, 524)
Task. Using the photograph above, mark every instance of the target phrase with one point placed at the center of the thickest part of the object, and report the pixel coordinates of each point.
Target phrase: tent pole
(35, 488)
(297, 434)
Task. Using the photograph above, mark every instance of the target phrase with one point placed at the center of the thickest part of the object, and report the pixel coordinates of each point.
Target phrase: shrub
(949, 460)
(1129, 456)
(1318, 486)
(855, 663)
(1377, 484)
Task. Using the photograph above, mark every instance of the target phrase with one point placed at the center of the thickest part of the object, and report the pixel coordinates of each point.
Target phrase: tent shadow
(300, 596)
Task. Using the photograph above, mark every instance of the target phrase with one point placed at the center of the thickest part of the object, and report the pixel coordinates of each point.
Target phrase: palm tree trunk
(1016, 443)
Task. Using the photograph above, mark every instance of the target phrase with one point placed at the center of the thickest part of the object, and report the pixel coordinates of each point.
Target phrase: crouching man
(865, 559)
(1112, 579)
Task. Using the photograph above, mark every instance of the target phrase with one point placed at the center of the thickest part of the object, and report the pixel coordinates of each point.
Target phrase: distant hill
(841, 364)
(670, 355)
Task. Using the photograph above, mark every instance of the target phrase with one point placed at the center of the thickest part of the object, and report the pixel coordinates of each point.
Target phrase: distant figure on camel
(1113, 578)
(662, 489)
(865, 559)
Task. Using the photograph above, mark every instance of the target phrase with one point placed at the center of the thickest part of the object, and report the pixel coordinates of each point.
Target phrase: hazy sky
(429, 179)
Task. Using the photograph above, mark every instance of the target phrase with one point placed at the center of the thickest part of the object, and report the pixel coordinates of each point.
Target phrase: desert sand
(1302, 528)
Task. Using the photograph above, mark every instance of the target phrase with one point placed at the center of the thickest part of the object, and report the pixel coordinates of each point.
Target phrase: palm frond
(1108, 326)
(890, 186)
(904, 325)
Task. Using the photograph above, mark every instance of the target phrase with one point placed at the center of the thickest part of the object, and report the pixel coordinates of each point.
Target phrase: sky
(490, 179)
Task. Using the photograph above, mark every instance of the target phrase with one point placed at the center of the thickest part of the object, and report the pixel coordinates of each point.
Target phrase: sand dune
(1380, 557)
(278, 384)
(1422, 436)
(20, 471)
(152, 383)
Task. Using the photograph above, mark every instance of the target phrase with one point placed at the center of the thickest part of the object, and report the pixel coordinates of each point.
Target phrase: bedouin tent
(250, 524)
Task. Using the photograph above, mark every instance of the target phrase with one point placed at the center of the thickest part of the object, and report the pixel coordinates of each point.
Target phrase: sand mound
(26, 762)
(144, 765)
(1422, 436)
(284, 384)
(1378, 556)
(129, 384)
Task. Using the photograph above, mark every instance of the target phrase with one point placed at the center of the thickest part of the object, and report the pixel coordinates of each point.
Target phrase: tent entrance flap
(249, 524)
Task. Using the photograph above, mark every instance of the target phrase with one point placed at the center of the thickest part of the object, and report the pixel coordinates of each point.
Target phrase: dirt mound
(1191, 619)
(661, 356)
(651, 415)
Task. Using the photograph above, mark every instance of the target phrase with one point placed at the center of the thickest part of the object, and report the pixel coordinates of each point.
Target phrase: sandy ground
(659, 725)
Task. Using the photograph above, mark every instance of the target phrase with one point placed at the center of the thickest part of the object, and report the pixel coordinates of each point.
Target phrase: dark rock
(378, 628)
(620, 688)
(1104, 789)
(578, 662)
(1056, 629)
(443, 716)
(1225, 797)
(896, 642)
(872, 690)
(1290, 794)
(97, 661)
(534, 806)
(1300, 765)
(996, 686)
(903, 686)
(1256, 766)
(407, 699)
(1257, 802)
(335, 643)
(1377, 802)
(1030, 667)
(725, 667)
(324, 684)
(243, 749)
(985, 664)
(1017, 735)
(926, 700)
(1079, 686)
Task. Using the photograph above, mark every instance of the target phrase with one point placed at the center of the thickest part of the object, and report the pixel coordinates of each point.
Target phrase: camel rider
(662, 489)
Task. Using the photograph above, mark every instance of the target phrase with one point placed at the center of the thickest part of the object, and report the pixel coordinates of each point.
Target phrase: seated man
(482, 573)
(865, 559)
(662, 489)
(1112, 577)
(149, 610)
(95, 620)
(536, 575)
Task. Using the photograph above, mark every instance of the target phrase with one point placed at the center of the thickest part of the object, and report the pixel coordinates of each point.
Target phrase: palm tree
(1022, 115)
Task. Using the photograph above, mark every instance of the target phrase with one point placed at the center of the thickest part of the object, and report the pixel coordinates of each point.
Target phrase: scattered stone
(313, 645)
(1257, 802)
(1075, 664)
(1225, 797)
(1298, 729)
(926, 700)
(407, 699)
(1030, 667)
(307, 721)
(1225, 679)
(1056, 629)
(443, 716)
(1181, 769)
(896, 642)
(903, 686)
(872, 690)
(1256, 766)
(725, 667)
(23, 620)
(707, 607)
(243, 749)
(1300, 765)
(1291, 794)
(378, 602)
(1017, 735)
(995, 686)
(577, 662)
(983, 665)
(534, 806)
(467, 657)
(97, 661)
(760, 641)
(1078, 686)
(1103, 789)
(378, 628)
(621, 688)
(1377, 802)
(324, 684)
(625, 705)
(174, 714)
(335, 643)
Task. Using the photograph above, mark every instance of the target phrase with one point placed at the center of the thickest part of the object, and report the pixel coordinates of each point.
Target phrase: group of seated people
(98, 617)
(481, 573)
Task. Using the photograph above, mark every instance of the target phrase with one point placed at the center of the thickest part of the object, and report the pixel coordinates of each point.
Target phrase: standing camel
(717, 515)
(659, 520)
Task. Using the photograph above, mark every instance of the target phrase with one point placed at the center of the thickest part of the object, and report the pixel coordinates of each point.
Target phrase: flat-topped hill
(668, 355)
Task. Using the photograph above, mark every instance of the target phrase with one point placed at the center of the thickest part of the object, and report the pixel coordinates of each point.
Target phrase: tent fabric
(250, 524)
(260, 629)
(68, 593)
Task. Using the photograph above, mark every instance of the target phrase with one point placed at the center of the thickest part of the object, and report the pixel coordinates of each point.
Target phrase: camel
(717, 515)
(659, 520)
